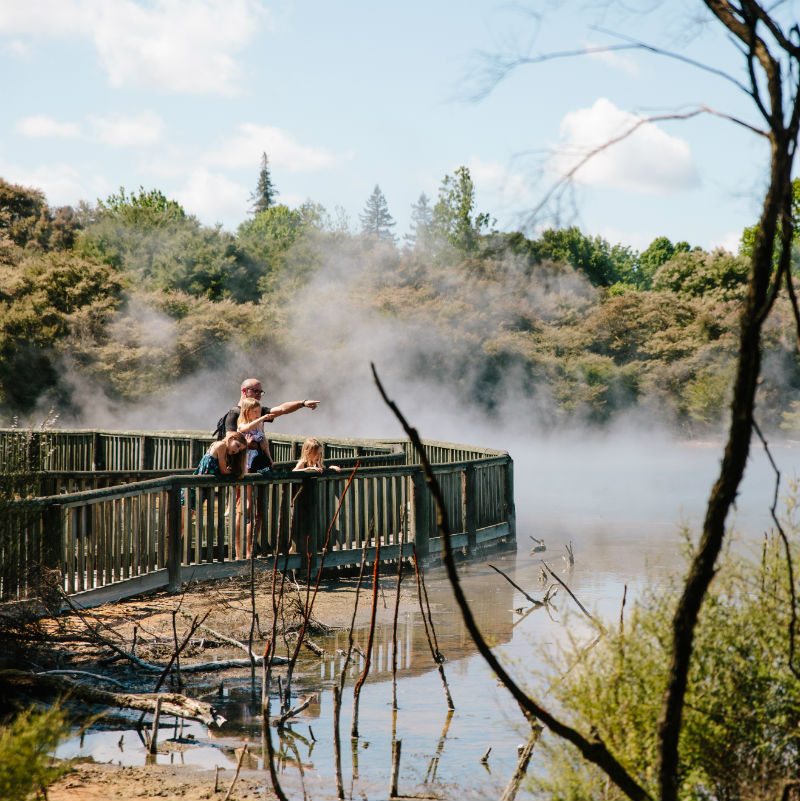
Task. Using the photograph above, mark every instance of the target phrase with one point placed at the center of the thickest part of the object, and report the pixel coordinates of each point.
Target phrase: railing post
(471, 504)
(511, 515)
(422, 516)
(51, 539)
(98, 457)
(196, 453)
(48, 577)
(146, 453)
(34, 452)
(174, 538)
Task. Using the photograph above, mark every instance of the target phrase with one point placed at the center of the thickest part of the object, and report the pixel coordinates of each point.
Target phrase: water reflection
(620, 507)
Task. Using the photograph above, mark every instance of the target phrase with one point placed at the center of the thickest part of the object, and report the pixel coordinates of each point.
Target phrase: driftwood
(92, 676)
(281, 721)
(254, 658)
(313, 647)
(510, 793)
(171, 703)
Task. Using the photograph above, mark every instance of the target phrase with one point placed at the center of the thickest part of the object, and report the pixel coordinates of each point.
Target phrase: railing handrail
(389, 444)
(284, 475)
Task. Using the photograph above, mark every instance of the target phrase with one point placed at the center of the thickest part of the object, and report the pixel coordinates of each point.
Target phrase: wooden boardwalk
(115, 514)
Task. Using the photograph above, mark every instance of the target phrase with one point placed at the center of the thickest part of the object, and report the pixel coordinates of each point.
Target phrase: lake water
(621, 508)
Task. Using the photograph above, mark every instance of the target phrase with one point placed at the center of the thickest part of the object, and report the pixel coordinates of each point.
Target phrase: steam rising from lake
(635, 474)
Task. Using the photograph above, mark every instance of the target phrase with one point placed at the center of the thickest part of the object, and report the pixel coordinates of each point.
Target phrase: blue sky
(184, 95)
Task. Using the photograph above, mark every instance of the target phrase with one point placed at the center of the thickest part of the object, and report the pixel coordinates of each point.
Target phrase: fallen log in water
(171, 703)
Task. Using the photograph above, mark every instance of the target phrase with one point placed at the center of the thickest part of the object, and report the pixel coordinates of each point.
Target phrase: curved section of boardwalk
(116, 514)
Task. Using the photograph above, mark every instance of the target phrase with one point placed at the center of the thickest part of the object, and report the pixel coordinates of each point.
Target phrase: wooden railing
(131, 451)
(104, 535)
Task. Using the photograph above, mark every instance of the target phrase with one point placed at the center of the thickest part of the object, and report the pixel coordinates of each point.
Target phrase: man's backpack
(219, 431)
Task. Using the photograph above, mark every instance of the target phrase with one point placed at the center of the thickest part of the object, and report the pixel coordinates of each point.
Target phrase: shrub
(26, 744)
(741, 732)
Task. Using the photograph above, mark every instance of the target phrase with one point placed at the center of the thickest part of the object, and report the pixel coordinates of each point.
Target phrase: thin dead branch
(242, 755)
(574, 597)
(293, 712)
(516, 586)
(339, 688)
(787, 550)
(370, 638)
(394, 625)
(593, 750)
(430, 631)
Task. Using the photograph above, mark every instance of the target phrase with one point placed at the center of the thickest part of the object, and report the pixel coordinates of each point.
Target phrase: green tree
(27, 221)
(589, 255)
(658, 252)
(282, 243)
(44, 298)
(266, 193)
(152, 239)
(419, 234)
(749, 234)
(716, 275)
(376, 222)
(144, 209)
(453, 217)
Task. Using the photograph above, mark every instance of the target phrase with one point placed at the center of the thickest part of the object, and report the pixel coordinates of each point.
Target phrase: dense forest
(133, 294)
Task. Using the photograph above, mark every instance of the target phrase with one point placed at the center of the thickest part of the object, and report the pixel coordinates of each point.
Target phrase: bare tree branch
(594, 750)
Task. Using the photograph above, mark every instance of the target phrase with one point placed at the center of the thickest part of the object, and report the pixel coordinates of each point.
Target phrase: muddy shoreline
(152, 621)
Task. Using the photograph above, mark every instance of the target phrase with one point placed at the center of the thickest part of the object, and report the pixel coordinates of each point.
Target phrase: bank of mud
(150, 626)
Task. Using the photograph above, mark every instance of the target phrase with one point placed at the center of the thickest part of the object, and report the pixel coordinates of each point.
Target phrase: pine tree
(419, 234)
(376, 221)
(266, 193)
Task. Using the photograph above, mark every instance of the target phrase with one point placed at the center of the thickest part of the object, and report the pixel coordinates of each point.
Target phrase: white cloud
(730, 241)
(245, 148)
(187, 46)
(611, 58)
(119, 130)
(17, 48)
(214, 198)
(62, 184)
(648, 160)
(506, 187)
(39, 126)
(638, 240)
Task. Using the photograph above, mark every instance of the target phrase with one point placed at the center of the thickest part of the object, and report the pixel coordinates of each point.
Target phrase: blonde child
(251, 425)
(310, 460)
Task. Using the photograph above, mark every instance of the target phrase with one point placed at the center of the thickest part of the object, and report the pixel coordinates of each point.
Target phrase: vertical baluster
(219, 495)
(191, 495)
(210, 533)
(72, 536)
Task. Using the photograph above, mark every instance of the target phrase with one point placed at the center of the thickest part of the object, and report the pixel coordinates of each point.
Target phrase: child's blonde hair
(247, 405)
(309, 446)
